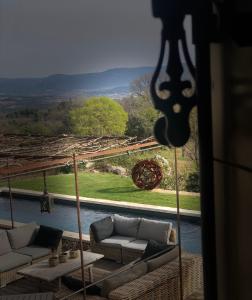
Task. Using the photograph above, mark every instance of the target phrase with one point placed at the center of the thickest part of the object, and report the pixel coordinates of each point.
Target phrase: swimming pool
(64, 217)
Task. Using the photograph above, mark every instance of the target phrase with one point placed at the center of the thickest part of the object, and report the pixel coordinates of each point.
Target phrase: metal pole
(79, 223)
(178, 224)
(10, 197)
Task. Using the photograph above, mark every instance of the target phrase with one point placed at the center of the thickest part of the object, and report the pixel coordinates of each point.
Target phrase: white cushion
(126, 226)
(22, 236)
(159, 231)
(34, 251)
(5, 246)
(13, 260)
(116, 241)
(137, 245)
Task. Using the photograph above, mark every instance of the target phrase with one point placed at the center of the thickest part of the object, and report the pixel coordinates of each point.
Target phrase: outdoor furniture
(42, 271)
(160, 283)
(37, 296)
(18, 249)
(124, 239)
(163, 282)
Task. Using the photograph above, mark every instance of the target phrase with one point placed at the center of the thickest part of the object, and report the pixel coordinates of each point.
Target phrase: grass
(106, 186)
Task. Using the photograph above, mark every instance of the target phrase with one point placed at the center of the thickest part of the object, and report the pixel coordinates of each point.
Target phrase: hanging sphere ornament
(147, 174)
(173, 128)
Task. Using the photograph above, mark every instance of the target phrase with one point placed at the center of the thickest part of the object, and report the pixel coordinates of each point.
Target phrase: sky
(43, 37)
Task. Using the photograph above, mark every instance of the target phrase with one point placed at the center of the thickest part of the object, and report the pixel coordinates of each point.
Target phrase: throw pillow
(126, 226)
(48, 237)
(154, 248)
(22, 236)
(159, 231)
(131, 274)
(102, 229)
(155, 263)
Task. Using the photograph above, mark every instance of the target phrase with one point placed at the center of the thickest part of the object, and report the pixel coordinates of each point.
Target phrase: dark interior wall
(232, 127)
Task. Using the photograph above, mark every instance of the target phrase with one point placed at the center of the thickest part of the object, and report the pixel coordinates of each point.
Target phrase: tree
(191, 148)
(142, 115)
(99, 116)
(140, 88)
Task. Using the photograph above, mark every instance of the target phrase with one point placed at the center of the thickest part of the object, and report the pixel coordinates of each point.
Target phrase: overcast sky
(43, 37)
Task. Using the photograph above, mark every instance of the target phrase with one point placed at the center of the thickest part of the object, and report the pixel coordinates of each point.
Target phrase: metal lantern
(147, 174)
(46, 203)
(46, 200)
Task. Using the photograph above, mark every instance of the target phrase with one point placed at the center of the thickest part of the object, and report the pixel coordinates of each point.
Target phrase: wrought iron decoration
(173, 128)
(147, 174)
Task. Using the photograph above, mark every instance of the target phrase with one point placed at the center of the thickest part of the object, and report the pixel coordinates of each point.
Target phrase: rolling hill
(111, 81)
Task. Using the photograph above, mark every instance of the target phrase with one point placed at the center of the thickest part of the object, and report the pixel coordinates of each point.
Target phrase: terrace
(28, 156)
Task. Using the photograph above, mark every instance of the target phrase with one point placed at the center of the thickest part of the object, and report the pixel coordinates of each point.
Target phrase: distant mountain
(114, 81)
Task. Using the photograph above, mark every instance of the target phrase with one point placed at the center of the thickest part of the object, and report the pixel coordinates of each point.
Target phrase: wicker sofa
(18, 251)
(127, 238)
(163, 283)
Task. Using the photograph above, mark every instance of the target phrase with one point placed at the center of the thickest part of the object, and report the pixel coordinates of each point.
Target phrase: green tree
(99, 116)
(191, 149)
(142, 117)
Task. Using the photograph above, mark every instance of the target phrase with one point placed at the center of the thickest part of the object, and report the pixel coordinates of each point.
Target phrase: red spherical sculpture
(147, 174)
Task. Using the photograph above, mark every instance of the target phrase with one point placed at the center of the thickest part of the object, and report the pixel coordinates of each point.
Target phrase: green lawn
(106, 186)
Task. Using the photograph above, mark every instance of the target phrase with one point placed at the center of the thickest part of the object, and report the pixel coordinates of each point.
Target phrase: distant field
(106, 186)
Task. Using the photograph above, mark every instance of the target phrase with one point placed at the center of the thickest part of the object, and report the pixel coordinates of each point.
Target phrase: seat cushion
(154, 230)
(126, 226)
(48, 237)
(5, 246)
(165, 258)
(22, 236)
(33, 296)
(137, 245)
(131, 274)
(117, 241)
(102, 229)
(34, 251)
(13, 260)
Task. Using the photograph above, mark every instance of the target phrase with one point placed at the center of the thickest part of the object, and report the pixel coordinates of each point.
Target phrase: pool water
(65, 217)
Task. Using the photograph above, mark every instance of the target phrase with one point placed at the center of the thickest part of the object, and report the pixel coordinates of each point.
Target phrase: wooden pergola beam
(56, 163)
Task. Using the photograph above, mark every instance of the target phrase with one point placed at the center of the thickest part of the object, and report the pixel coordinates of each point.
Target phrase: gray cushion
(34, 251)
(155, 263)
(102, 229)
(133, 273)
(116, 241)
(126, 226)
(22, 236)
(154, 230)
(137, 245)
(33, 296)
(13, 260)
(5, 246)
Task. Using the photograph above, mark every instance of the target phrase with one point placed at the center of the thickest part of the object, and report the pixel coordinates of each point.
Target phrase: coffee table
(43, 272)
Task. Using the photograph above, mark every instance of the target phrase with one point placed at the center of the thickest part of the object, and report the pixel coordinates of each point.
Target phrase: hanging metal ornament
(46, 200)
(175, 97)
(147, 174)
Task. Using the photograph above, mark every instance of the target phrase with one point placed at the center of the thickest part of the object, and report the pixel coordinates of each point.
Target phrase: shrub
(192, 182)
(67, 169)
